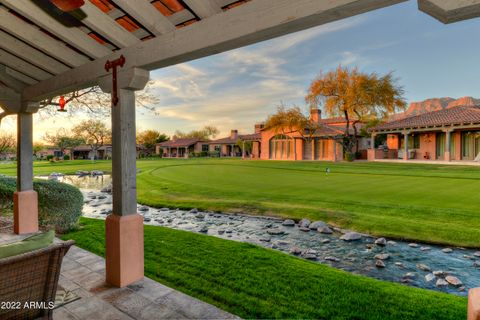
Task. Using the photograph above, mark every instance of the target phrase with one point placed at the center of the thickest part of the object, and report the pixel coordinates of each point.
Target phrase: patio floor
(83, 273)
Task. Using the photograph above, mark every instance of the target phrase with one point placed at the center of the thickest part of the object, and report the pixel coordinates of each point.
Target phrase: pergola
(45, 52)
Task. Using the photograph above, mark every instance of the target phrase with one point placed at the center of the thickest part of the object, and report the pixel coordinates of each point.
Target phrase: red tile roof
(229, 140)
(180, 142)
(446, 117)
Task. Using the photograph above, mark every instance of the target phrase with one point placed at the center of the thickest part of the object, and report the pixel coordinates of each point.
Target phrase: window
(204, 147)
(281, 147)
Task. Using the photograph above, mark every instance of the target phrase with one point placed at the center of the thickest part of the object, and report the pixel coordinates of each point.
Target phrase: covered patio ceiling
(46, 52)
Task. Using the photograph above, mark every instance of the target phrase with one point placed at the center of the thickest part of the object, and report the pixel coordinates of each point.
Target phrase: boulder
(275, 232)
(382, 256)
(351, 236)
(439, 273)
(454, 281)
(288, 223)
(317, 224)
(304, 223)
(296, 251)
(447, 250)
(325, 230)
(333, 259)
(429, 277)
(381, 242)
(423, 267)
(441, 283)
(379, 264)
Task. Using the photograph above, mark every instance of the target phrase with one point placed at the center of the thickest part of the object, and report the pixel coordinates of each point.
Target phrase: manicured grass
(254, 282)
(431, 203)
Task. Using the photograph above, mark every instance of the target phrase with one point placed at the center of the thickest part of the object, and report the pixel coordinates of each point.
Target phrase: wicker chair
(31, 277)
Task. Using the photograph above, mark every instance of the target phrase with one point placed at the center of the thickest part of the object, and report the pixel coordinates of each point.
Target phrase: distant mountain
(435, 104)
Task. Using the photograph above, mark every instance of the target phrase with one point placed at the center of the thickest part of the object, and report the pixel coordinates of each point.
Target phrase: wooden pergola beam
(246, 24)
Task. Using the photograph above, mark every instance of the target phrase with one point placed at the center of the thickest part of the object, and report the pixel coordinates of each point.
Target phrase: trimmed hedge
(59, 204)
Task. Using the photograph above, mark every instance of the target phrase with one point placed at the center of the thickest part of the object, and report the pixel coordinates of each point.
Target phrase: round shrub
(59, 204)
(50, 157)
(66, 157)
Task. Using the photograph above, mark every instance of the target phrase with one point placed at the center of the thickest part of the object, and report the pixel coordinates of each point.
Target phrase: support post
(371, 150)
(124, 227)
(243, 149)
(405, 146)
(25, 199)
(448, 139)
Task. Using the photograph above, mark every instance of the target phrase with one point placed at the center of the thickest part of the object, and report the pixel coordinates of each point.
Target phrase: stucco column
(405, 145)
(371, 150)
(448, 139)
(334, 150)
(294, 148)
(25, 199)
(124, 227)
(243, 149)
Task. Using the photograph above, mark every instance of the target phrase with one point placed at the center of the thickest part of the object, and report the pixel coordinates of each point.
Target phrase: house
(181, 147)
(448, 134)
(323, 144)
(230, 147)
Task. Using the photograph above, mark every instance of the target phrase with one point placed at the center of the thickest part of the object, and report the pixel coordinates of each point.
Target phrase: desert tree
(206, 133)
(149, 139)
(356, 96)
(63, 140)
(95, 133)
(7, 143)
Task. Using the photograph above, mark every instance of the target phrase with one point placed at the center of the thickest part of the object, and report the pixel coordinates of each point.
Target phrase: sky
(238, 88)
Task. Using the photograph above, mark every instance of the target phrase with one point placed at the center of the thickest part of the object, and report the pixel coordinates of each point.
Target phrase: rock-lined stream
(446, 269)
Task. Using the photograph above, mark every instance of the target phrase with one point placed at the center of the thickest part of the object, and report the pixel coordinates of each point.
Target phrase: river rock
(391, 243)
(325, 230)
(107, 189)
(441, 283)
(413, 245)
(477, 254)
(351, 236)
(379, 264)
(423, 267)
(275, 232)
(429, 277)
(330, 258)
(296, 251)
(381, 242)
(317, 224)
(143, 208)
(147, 219)
(325, 240)
(288, 223)
(223, 231)
(439, 273)
(425, 248)
(101, 197)
(399, 264)
(410, 275)
(304, 229)
(204, 230)
(454, 281)
(194, 210)
(447, 250)
(265, 239)
(309, 256)
(382, 256)
(164, 209)
(200, 216)
(304, 223)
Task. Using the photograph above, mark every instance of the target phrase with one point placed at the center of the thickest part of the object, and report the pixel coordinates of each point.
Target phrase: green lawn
(431, 203)
(254, 282)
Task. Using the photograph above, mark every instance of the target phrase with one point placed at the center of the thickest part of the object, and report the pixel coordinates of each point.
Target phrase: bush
(66, 157)
(50, 157)
(349, 156)
(59, 204)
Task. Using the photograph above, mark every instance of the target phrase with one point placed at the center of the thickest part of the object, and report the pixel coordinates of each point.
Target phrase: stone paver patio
(84, 274)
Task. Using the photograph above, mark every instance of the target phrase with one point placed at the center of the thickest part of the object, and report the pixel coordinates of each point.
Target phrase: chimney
(315, 115)
(234, 134)
(259, 127)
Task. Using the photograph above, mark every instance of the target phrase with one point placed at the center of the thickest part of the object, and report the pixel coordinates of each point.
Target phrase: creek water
(419, 265)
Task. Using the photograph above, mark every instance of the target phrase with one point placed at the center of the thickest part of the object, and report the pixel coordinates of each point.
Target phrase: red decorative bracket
(113, 65)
